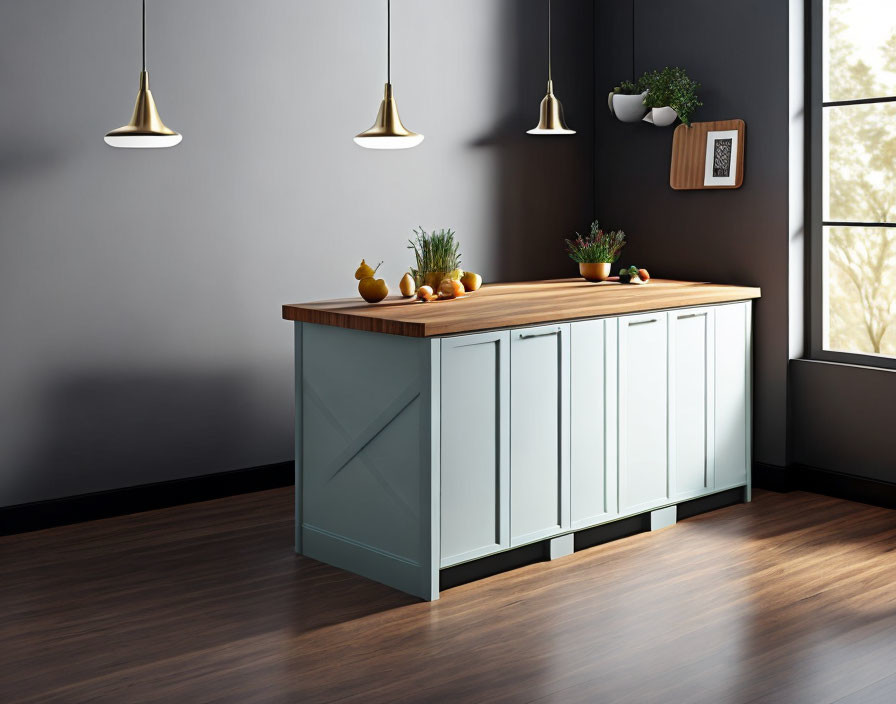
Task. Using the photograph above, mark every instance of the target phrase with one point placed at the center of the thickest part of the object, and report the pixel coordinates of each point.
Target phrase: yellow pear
(373, 290)
(407, 286)
(471, 281)
(364, 271)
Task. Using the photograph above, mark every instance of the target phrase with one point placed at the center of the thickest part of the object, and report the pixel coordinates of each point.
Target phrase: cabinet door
(539, 432)
(475, 479)
(732, 408)
(592, 421)
(691, 382)
(643, 412)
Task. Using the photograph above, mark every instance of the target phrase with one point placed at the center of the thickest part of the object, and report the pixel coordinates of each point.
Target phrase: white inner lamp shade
(538, 130)
(143, 141)
(389, 142)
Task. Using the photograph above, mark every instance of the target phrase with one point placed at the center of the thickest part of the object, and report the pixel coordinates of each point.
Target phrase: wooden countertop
(513, 305)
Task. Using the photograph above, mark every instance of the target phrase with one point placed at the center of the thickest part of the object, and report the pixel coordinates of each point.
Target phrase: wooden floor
(789, 599)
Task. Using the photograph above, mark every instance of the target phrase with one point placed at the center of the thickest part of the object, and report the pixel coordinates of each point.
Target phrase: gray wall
(739, 52)
(842, 418)
(140, 290)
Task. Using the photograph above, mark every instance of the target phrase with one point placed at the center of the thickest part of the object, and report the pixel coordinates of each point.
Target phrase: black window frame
(814, 206)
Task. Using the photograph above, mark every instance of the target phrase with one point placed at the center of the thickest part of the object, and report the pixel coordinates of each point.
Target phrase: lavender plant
(598, 246)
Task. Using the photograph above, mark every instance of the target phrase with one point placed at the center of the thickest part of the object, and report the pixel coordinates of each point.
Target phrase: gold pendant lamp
(388, 132)
(146, 129)
(551, 120)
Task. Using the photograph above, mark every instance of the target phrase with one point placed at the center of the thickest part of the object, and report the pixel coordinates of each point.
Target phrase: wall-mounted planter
(627, 108)
(661, 117)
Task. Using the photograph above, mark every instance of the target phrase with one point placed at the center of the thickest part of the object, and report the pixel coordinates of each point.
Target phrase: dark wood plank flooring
(789, 599)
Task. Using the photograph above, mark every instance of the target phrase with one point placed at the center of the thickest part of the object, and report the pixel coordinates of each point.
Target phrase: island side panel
(748, 490)
(430, 468)
(298, 438)
(369, 498)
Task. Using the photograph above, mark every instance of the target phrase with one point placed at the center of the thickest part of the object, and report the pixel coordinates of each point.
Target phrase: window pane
(860, 290)
(859, 162)
(859, 49)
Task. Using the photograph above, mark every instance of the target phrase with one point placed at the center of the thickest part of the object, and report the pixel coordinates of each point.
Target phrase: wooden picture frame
(693, 166)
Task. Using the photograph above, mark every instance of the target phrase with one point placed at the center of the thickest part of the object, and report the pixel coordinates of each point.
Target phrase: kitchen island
(432, 434)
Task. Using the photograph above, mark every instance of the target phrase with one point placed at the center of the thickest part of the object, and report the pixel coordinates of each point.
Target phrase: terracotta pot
(597, 271)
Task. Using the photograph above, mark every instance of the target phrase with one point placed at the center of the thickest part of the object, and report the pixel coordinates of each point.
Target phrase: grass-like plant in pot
(596, 251)
(437, 257)
(669, 93)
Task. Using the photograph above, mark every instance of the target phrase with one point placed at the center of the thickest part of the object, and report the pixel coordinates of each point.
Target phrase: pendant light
(551, 120)
(388, 132)
(146, 129)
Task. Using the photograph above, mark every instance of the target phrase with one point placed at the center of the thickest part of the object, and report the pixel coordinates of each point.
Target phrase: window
(853, 162)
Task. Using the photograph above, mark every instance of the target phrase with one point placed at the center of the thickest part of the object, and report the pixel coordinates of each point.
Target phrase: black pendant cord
(388, 41)
(549, 40)
(634, 79)
(144, 36)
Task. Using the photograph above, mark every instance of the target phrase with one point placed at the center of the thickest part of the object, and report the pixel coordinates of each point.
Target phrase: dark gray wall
(739, 52)
(842, 418)
(140, 290)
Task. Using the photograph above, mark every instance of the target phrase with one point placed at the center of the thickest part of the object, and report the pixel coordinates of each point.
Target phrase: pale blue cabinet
(416, 454)
(592, 420)
(539, 432)
(691, 401)
(643, 412)
(474, 447)
(732, 395)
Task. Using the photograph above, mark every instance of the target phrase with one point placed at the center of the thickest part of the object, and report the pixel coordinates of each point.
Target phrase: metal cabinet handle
(690, 315)
(642, 322)
(538, 334)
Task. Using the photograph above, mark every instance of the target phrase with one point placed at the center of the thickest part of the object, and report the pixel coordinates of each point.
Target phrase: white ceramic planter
(627, 108)
(661, 117)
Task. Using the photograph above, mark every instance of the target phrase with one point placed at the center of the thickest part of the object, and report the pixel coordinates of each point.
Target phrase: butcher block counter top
(513, 305)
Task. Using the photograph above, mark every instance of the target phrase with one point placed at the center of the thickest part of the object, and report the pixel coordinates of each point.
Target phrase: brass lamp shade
(551, 120)
(388, 132)
(146, 129)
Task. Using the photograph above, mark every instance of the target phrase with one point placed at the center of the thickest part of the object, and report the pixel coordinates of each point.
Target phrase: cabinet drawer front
(474, 446)
(539, 434)
(643, 412)
(691, 353)
(732, 394)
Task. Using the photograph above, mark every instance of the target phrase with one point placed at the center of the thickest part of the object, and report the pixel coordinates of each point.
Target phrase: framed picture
(720, 167)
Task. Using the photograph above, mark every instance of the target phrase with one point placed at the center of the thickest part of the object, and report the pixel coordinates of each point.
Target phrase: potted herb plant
(626, 102)
(670, 94)
(596, 252)
(437, 257)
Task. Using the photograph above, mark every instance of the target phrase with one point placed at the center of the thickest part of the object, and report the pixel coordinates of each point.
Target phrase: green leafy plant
(627, 88)
(436, 254)
(599, 246)
(671, 87)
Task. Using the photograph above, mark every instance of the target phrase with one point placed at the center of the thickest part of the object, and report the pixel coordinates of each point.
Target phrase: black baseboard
(800, 477)
(845, 486)
(705, 504)
(491, 565)
(773, 478)
(133, 499)
(586, 538)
